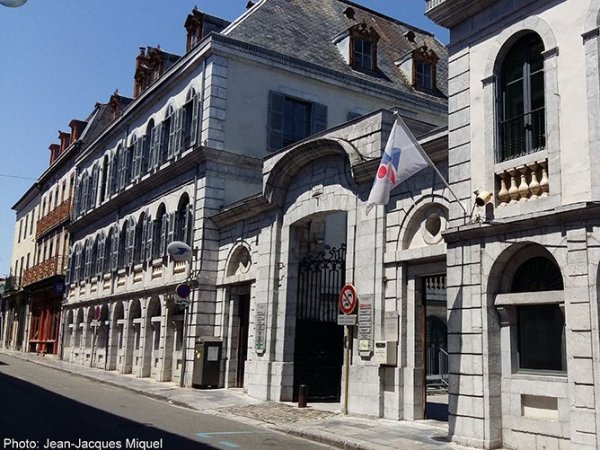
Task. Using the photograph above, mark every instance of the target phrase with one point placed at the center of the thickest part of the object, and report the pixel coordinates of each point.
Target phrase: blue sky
(59, 57)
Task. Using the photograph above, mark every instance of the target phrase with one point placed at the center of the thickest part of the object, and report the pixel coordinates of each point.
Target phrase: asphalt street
(44, 408)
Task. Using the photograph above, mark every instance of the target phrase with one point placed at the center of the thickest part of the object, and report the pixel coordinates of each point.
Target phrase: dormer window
(363, 47)
(362, 54)
(424, 69)
(423, 75)
(358, 45)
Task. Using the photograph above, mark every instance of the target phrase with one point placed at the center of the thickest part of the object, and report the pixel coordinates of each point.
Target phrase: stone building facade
(523, 281)
(237, 126)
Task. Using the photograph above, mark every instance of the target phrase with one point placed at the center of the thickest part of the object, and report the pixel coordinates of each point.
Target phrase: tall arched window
(166, 144)
(522, 126)
(183, 220)
(104, 175)
(159, 232)
(101, 254)
(189, 120)
(140, 238)
(114, 171)
(541, 327)
(146, 163)
(122, 245)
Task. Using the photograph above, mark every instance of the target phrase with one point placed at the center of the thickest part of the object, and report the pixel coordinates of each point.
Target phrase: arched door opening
(320, 246)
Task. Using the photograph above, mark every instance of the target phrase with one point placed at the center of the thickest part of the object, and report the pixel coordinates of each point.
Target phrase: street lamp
(12, 3)
(180, 251)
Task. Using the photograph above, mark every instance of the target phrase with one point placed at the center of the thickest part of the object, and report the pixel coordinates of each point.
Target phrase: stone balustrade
(522, 183)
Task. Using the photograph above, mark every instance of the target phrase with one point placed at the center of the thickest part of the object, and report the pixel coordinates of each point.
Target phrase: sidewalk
(318, 422)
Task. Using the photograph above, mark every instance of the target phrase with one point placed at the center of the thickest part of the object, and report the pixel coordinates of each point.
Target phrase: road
(45, 408)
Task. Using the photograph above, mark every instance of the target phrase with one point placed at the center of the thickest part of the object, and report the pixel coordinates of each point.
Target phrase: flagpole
(430, 162)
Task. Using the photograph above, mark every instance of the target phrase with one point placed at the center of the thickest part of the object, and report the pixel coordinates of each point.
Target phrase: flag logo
(403, 157)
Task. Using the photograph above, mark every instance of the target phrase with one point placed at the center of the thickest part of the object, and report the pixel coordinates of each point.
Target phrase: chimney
(77, 127)
(200, 25)
(54, 152)
(193, 25)
(115, 105)
(65, 140)
(140, 78)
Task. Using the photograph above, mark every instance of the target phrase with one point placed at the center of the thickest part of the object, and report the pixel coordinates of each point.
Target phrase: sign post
(347, 301)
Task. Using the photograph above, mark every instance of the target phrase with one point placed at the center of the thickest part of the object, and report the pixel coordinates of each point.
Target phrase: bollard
(302, 395)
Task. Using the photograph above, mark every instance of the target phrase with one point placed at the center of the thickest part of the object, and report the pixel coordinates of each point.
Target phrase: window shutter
(181, 119)
(187, 228)
(130, 244)
(88, 260)
(145, 155)
(118, 171)
(77, 265)
(94, 187)
(164, 223)
(75, 205)
(194, 132)
(70, 265)
(137, 158)
(149, 238)
(318, 118)
(84, 194)
(141, 246)
(100, 256)
(109, 178)
(171, 229)
(165, 135)
(173, 135)
(275, 122)
(114, 250)
(128, 163)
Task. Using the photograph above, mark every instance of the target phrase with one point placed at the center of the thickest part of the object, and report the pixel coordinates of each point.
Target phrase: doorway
(243, 319)
(435, 347)
(320, 246)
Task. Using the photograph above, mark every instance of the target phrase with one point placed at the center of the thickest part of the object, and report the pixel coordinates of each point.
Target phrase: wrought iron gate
(318, 354)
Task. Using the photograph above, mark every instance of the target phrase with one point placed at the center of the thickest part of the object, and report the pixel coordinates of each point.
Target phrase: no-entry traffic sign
(348, 299)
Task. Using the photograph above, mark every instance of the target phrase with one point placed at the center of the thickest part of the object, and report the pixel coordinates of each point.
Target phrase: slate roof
(305, 29)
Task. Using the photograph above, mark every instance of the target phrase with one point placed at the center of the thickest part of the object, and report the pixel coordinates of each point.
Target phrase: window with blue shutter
(103, 176)
(145, 158)
(75, 205)
(130, 244)
(87, 271)
(77, 264)
(115, 172)
(275, 122)
(83, 199)
(114, 249)
(167, 126)
(141, 232)
(164, 230)
(94, 186)
(137, 158)
(149, 238)
(195, 122)
(292, 119)
(179, 137)
(318, 118)
(173, 134)
(100, 252)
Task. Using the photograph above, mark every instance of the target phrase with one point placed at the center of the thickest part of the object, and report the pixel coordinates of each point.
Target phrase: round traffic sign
(348, 299)
(183, 290)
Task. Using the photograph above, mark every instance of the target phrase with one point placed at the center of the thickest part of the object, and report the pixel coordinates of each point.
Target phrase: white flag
(403, 157)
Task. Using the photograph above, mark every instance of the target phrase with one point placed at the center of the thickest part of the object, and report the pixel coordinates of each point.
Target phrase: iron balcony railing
(522, 135)
(58, 215)
(46, 269)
